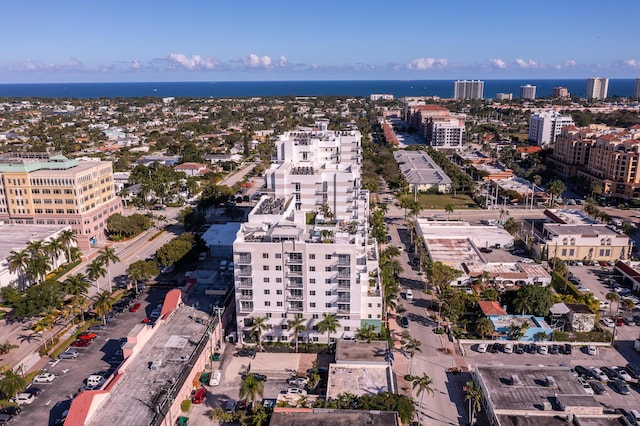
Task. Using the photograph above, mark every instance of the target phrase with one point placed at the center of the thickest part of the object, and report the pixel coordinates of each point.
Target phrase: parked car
(12, 410)
(583, 371)
(611, 373)
(404, 322)
(69, 354)
(633, 370)
(86, 335)
(33, 390)
(257, 376)
(567, 349)
(623, 373)
(587, 388)
(295, 391)
(508, 348)
(553, 350)
(521, 348)
(230, 406)
(543, 349)
(245, 353)
(629, 321)
(620, 387)
(409, 294)
(98, 327)
(135, 307)
(44, 378)
(298, 381)
(5, 419)
(23, 398)
(199, 396)
(482, 348)
(598, 374)
(591, 350)
(79, 343)
(598, 388)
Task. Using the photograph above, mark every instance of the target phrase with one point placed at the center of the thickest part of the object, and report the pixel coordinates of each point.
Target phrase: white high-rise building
(597, 87)
(527, 92)
(306, 248)
(636, 90)
(544, 127)
(473, 89)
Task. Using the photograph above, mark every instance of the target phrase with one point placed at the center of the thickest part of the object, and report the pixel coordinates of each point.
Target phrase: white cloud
(524, 64)
(193, 63)
(498, 63)
(254, 61)
(633, 63)
(422, 64)
(136, 65)
(570, 63)
(72, 64)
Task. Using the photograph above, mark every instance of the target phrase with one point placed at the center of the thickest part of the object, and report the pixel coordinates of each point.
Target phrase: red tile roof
(491, 309)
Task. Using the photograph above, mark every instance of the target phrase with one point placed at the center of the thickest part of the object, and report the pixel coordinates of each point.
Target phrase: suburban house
(572, 317)
(192, 169)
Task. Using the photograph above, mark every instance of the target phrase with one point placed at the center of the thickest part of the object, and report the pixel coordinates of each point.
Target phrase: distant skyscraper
(559, 92)
(544, 127)
(597, 88)
(504, 96)
(473, 89)
(527, 92)
(636, 92)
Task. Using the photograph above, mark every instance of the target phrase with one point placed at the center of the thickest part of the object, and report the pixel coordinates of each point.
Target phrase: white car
(482, 348)
(409, 294)
(623, 373)
(44, 378)
(591, 350)
(599, 374)
(587, 388)
(24, 398)
(298, 381)
(608, 322)
(543, 349)
(295, 391)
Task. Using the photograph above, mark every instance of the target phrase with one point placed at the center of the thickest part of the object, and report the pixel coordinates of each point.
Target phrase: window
(279, 292)
(315, 316)
(267, 292)
(284, 326)
(327, 257)
(278, 255)
(312, 256)
(279, 304)
(327, 281)
(278, 267)
(267, 303)
(265, 267)
(266, 279)
(312, 305)
(347, 328)
(312, 268)
(327, 268)
(369, 316)
(327, 293)
(370, 305)
(564, 252)
(312, 293)
(312, 280)
(265, 255)
(279, 280)
(327, 305)
(268, 314)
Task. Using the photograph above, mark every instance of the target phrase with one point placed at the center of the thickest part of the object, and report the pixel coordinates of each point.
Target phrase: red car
(135, 307)
(86, 335)
(199, 396)
(146, 321)
(80, 343)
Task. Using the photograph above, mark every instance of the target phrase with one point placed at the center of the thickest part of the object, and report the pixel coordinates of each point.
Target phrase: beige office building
(47, 189)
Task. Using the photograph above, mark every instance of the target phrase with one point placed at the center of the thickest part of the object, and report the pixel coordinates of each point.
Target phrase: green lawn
(438, 201)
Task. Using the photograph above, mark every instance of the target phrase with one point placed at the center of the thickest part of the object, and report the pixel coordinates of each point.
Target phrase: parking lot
(101, 357)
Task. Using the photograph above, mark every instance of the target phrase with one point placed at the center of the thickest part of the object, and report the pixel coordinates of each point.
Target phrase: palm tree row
(34, 262)
(329, 324)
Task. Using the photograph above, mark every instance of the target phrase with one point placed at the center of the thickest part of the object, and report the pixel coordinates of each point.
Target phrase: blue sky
(209, 40)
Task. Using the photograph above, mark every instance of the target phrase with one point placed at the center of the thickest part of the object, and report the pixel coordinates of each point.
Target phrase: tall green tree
(102, 305)
(250, 388)
(95, 270)
(612, 297)
(107, 257)
(534, 299)
(258, 328)
(18, 262)
(11, 383)
(555, 188)
(410, 346)
(329, 324)
(423, 384)
(484, 327)
(297, 326)
(449, 209)
(474, 396)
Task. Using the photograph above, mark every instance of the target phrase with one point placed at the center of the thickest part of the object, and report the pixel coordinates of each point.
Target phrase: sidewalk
(400, 361)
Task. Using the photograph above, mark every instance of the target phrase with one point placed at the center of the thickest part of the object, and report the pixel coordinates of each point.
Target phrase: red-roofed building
(491, 308)
(192, 169)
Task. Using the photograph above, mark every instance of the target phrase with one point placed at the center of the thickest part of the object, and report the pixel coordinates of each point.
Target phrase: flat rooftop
(327, 417)
(519, 320)
(16, 237)
(358, 379)
(132, 402)
(531, 392)
(570, 217)
(419, 168)
(355, 351)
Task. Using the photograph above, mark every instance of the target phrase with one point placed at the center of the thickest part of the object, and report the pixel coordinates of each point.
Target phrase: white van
(215, 378)
(95, 380)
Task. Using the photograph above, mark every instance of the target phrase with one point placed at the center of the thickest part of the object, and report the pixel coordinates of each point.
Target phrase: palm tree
(259, 326)
(612, 297)
(474, 396)
(367, 332)
(44, 324)
(410, 346)
(11, 384)
(296, 326)
(555, 188)
(38, 267)
(484, 327)
(76, 285)
(423, 383)
(250, 388)
(53, 248)
(36, 247)
(68, 238)
(108, 256)
(18, 262)
(628, 305)
(449, 209)
(328, 324)
(102, 305)
(95, 270)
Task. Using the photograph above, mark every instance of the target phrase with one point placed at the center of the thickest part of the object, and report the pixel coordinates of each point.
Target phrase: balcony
(246, 306)
(344, 288)
(373, 293)
(344, 310)
(297, 274)
(342, 273)
(295, 307)
(245, 283)
(245, 296)
(344, 299)
(244, 260)
(243, 272)
(294, 284)
(293, 262)
(294, 298)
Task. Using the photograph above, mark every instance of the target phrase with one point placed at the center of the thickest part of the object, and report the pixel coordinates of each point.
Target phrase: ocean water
(212, 89)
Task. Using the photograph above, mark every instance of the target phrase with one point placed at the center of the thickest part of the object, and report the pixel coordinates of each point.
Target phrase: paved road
(238, 175)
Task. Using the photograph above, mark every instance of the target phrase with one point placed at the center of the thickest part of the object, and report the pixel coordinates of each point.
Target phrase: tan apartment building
(601, 154)
(48, 189)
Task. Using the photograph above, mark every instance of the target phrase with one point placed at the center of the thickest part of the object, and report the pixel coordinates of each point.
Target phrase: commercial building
(439, 127)
(597, 87)
(306, 249)
(421, 172)
(468, 89)
(504, 96)
(570, 235)
(560, 92)
(527, 92)
(285, 416)
(48, 189)
(544, 127)
(534, 395)
(381, 97)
